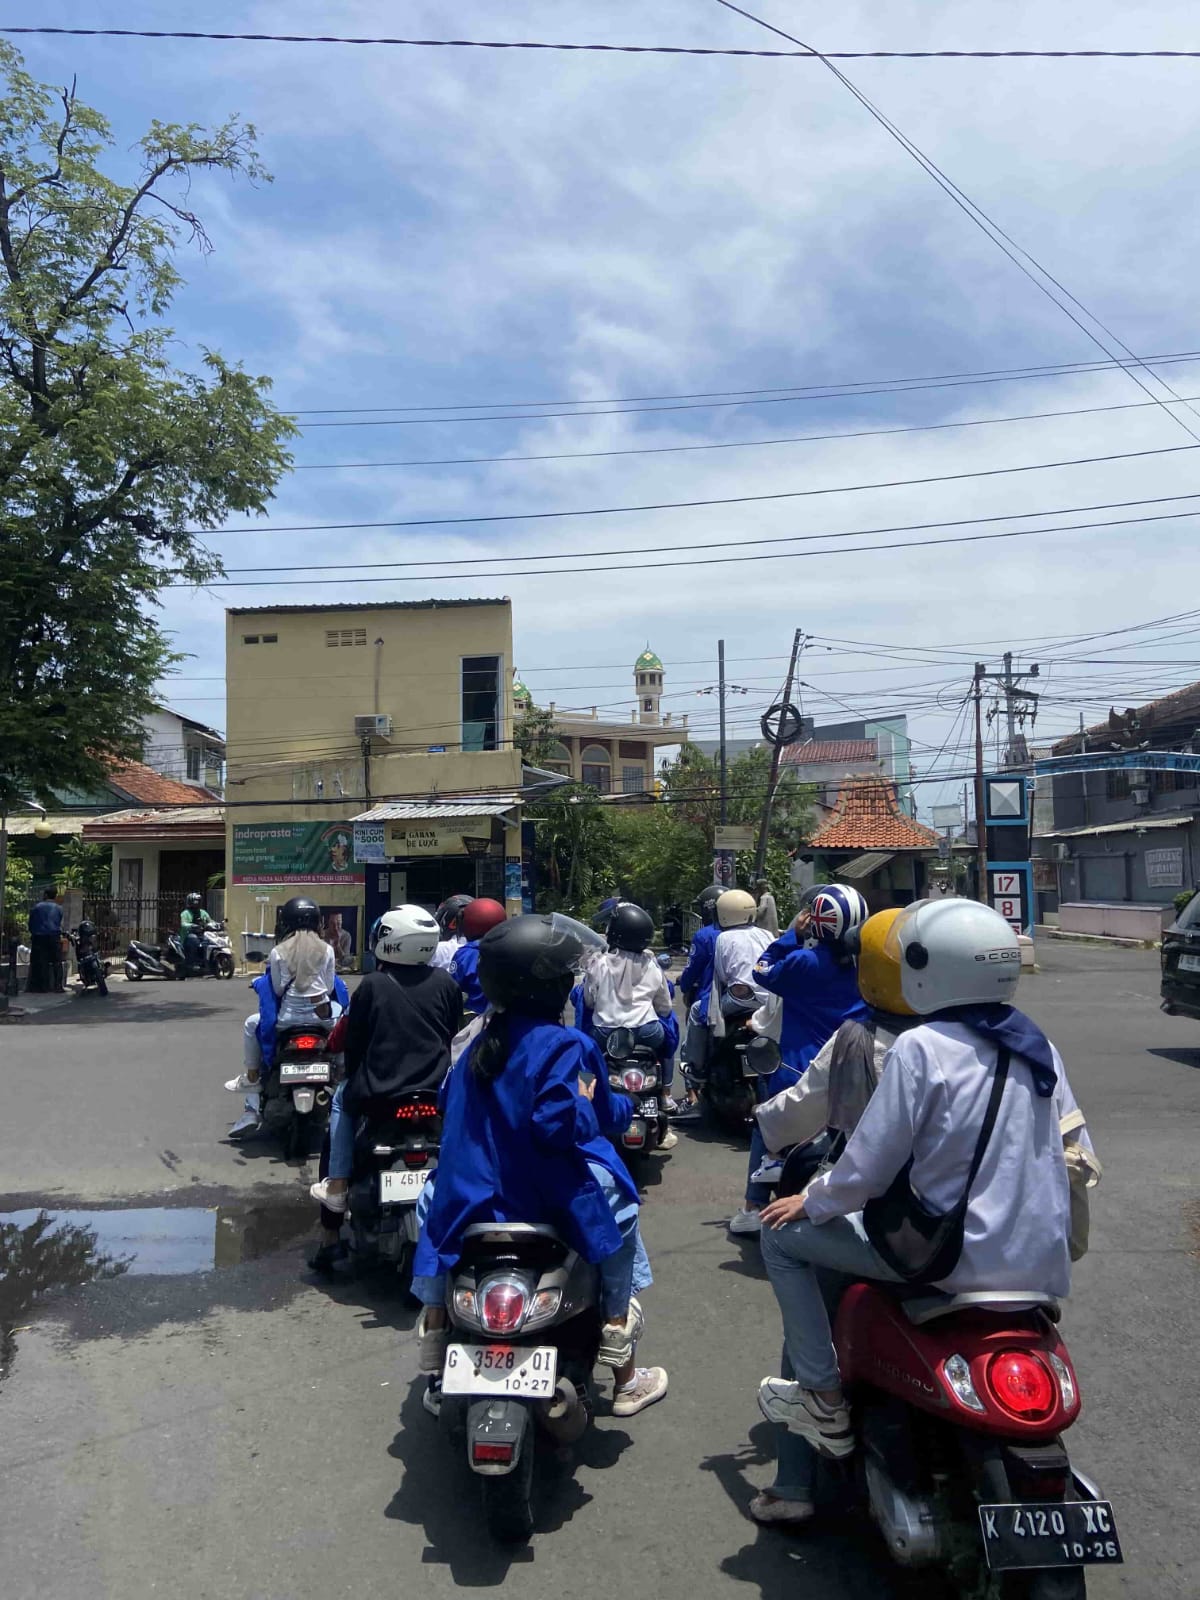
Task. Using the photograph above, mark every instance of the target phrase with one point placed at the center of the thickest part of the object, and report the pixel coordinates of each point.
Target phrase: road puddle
(44, 1252)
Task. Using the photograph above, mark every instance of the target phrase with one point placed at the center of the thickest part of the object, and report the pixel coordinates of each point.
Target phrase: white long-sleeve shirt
(626, 990)
(296, 1000)
(445, 953)
(734, 956)
(930, 1104)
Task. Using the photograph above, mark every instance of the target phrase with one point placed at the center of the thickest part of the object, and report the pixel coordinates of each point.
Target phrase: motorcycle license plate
(1189, 963)
(648, 1108)
(304, 1072)
(1053, 1533)
(401, 1186)
(492, 1369)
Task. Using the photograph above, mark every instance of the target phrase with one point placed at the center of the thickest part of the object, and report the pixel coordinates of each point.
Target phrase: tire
(295, 1138)
(225, 966)
(508, 1501)
(133, 972)
(101, 984)
(1058, 1583)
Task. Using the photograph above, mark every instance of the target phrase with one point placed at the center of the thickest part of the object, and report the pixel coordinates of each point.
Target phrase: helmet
(479, 916)
(530, 963)
(836, 911)
(449, 913)
(630, 928)
(298, 912)
(194, 902)
(938, 953)
(809, 895)
(406, 936)
(706, 902)
(736, 909)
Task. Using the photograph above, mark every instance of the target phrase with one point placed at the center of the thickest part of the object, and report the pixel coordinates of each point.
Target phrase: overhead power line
(614, 49)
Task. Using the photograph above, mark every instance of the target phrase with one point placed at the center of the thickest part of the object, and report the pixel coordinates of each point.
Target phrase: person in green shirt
(193, 920)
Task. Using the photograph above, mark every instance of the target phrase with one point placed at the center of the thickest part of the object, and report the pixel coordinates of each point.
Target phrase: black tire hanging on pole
(781, 723)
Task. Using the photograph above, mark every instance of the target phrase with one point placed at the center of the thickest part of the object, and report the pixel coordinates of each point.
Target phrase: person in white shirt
(954, 965)
(735, 955)
(449, 920)
(624, 986)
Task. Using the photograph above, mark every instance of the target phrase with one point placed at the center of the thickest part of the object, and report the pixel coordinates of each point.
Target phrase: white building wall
(168, 741)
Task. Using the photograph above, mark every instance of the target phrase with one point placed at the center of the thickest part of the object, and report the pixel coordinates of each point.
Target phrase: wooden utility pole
(724, 761)
(981, 892)
(760, 855)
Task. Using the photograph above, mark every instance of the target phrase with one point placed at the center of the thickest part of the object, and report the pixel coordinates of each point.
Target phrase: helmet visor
(897, 935)
(571, 946)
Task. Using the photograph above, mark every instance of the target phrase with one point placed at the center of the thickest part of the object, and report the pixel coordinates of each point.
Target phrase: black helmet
(528, 964)
(706, 902)
(809, 895)
(449, 913)
(630, 928)
(194, 902)
(298, 912)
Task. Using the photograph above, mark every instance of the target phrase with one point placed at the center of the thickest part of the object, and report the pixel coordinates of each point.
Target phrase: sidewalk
(29, 1005)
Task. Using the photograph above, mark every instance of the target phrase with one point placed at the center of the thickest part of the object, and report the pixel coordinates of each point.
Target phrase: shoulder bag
(920, 1245)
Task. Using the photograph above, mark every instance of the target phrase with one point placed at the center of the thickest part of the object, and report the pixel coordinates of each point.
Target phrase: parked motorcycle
(525, 1324)
(298, 1085)
(958, 1404)
(168, 960)
(92, 968)
(633, 1070)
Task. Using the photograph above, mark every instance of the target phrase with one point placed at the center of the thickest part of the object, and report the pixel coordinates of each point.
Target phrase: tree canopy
(113, 461)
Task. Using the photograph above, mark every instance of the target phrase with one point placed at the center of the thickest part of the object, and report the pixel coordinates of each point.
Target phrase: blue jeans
(626, 1272)
(341, 1137)
(649, 1034)
(757, 1194)
(789, 1254)
(795, 1458)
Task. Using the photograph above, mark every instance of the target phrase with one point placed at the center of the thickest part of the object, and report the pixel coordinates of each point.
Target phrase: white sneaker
(331, 1202)
(746, 1222)
(617, 1344)
(799, 1410)
(669, 1140)
(243, 1085)
(769, 1172)
(249, 1122)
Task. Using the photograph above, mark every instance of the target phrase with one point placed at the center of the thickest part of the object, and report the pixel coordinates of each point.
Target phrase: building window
(250, 638)
(481, 702)
(270, 638)
(597, 768)
(344, 638)
(193, 763)
(647, 705)
(1117, 783)
(633, 780)
(559, 760)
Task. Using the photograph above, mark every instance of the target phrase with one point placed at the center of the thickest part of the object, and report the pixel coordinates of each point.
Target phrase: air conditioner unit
(373, 727)
(1141, 795)
(1060, 852)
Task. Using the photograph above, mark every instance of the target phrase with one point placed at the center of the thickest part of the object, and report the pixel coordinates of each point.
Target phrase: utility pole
(981, 892)
(760, 855)
(724, 762)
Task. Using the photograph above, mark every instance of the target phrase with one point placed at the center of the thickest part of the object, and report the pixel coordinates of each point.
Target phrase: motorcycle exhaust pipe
(323, 1098)
(565, 1417)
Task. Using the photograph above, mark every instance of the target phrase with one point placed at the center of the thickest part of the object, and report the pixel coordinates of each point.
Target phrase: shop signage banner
(1164, 868)
(435, 838)
(370, 847)
(734, 836)
(294, 852)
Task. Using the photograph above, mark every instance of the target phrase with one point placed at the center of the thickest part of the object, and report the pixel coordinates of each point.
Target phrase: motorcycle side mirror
(762, 1057)
(620, 1044)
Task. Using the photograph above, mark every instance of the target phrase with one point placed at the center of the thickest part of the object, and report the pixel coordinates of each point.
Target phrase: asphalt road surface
(239, 1431)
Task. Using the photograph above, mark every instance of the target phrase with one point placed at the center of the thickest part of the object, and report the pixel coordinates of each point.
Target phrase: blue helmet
(837, 910)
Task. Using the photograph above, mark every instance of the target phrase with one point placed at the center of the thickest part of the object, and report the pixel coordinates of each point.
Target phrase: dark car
(1181, 963)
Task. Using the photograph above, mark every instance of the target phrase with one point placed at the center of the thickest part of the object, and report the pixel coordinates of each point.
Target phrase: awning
(863, 866)
(438, 810)
(1134, 825)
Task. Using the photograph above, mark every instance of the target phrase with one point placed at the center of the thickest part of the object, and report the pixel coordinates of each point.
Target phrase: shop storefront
(422, 852)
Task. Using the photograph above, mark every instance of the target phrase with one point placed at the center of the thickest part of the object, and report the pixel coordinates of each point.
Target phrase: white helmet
(736, 909)
(836, 911)
(953, 953)
(406, 936)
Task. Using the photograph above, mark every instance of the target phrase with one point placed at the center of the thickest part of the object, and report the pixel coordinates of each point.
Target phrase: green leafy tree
(692, 786)
(574, 848)
(663, 859)
(86, 866)
(533, 734)
(111, 458)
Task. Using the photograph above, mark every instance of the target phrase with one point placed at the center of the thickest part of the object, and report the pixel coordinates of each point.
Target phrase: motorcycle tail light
(305, 1041)
(417, 1111)
(634, 1079)
(502, 1307)
(416, 1158)
(1066, 1381)
(482, 1450)
(1021, 1385)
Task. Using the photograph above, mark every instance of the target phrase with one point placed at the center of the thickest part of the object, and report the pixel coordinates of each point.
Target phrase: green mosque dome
(647, 662)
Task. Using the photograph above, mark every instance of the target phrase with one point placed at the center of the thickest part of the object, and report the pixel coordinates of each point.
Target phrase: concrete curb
(1102, 939)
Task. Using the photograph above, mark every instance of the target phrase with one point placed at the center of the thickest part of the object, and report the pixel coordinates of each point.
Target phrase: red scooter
(958, 1405)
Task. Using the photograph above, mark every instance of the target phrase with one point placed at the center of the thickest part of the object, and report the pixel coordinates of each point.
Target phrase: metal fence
(120, 918)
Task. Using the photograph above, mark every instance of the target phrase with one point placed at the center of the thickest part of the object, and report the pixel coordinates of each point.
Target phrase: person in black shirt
(397, 1038)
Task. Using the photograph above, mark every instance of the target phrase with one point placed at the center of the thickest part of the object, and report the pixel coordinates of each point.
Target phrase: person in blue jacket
(477, 919)
(695, 983)
(525, 1114)
(818, 987)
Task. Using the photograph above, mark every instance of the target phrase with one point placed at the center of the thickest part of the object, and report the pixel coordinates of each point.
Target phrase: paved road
(246, 1434)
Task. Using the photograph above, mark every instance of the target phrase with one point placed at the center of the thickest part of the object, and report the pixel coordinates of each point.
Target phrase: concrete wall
(168, 741)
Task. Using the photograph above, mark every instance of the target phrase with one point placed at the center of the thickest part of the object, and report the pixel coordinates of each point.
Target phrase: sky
(459, 228)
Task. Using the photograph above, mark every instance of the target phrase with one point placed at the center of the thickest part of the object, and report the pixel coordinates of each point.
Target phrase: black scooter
(93, 970)
(155, 960)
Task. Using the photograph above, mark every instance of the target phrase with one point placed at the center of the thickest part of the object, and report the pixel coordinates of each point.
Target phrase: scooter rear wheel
(508, 1501)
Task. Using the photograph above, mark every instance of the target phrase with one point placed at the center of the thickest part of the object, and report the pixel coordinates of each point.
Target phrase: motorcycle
(169, 961)
(298, 1085)
(726, 1083)
(525, 1324)
(93, 970)
(633, 1070)
(958, 1404)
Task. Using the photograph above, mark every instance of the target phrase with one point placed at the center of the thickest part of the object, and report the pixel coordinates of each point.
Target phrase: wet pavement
(187, 1412)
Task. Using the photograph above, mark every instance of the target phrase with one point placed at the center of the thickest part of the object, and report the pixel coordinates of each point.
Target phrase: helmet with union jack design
(837, 910)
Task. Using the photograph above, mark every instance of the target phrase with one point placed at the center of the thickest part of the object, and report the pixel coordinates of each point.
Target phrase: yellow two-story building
(370, 761)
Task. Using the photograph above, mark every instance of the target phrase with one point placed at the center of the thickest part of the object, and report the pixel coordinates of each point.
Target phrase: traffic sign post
(1006, 797)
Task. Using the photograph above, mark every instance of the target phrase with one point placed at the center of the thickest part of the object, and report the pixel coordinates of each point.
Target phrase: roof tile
(822, 751)
(150, 788)
(867, 817)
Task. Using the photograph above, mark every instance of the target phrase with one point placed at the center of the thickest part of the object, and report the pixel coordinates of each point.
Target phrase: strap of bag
(989, 1121)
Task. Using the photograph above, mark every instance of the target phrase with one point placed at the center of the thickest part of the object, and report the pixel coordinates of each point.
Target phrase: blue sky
(452, 226)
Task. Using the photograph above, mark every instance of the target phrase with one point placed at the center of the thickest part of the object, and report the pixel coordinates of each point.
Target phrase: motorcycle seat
(154, 950)
(926, 1305)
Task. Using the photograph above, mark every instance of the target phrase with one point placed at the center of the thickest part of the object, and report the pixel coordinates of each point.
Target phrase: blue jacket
(697, 975)
(583, 1021)
(46, 919)
(818, 995)
(517, 1149)
(464, 969)
(268, 1011)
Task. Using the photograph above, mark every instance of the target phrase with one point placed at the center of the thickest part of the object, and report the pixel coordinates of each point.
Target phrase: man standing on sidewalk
(45, 940)
(766, 916)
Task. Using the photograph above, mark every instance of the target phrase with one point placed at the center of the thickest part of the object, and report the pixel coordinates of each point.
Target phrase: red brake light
(1021, 1384)
(417, 1111)
(491, 1452)
(502, 1307)
(634, 1079)
(305, 1041)
(416, 1158)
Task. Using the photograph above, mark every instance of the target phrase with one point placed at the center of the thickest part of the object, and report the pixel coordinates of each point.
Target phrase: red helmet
(481, 915)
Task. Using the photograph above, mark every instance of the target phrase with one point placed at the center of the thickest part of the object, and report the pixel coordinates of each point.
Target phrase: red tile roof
(825, 751)
(867, 817)
(150, 788)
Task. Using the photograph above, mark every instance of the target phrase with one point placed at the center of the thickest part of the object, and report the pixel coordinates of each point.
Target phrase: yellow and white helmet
(937, 953)
(736, 909)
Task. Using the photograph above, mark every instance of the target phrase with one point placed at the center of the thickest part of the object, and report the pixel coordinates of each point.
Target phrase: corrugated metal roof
(863, 866)
(1134, 825)
(364, 605)
(22, 827)
(438, 810)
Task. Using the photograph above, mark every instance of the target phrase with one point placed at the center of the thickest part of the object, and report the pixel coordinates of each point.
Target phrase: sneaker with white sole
(243, 1084)
(616, 1343)
(431, 1397)
(769, 1172)
(647, 1385)
(668, 1141)
(746, 1222)
(248, 1123)
(799, 1410)
(332, 1202)
(767, 1508)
